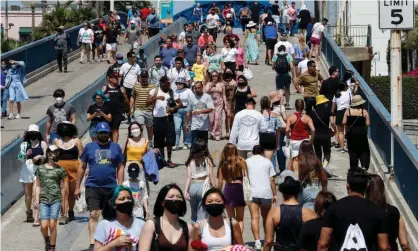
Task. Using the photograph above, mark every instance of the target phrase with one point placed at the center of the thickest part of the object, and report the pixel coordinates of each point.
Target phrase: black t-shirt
(275, 10)
(98, 34)
(329, 87)
(111, 36)
(320, 117)
(311, 232)
(351, 210)
(112, 69)
(392, 217)
(94, 107)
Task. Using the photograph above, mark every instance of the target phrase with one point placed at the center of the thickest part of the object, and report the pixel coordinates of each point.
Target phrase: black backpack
(282, 65)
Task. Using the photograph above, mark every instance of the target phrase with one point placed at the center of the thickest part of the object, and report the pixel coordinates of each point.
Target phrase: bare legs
(238, 214)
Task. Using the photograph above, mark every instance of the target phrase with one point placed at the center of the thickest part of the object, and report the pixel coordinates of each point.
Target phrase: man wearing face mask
(133, 37)
(62, 46)
(116, 66)
(57, 113)
(105, 161)
(141, 109)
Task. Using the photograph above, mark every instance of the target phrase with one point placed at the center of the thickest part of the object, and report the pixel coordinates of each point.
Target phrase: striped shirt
(260, 170)
(140, 95)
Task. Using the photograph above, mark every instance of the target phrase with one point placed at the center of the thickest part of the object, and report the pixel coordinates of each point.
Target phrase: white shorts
(112, 47)
(294, 147)
(27, 174)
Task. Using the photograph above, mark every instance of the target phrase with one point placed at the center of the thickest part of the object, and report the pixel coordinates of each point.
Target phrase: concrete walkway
(75, 236)
(78, 77)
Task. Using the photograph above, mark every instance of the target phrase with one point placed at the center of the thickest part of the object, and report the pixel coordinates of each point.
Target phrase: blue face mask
(120, 61)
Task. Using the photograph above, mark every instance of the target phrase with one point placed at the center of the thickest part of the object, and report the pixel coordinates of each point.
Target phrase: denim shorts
(262, 201)
(49, 211)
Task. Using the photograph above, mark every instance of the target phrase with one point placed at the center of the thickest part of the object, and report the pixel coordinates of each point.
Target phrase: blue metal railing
(405, 159)
(41, 52)
(11, 189)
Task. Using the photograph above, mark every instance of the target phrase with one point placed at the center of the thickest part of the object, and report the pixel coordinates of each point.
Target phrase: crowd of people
(194, 90)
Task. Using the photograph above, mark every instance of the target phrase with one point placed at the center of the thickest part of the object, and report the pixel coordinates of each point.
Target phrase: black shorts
(116, 121)
(164, 132)
(283, 82)
(270, 43)
(268, 140)
(153, 31)
(339, 117)
(96, 197)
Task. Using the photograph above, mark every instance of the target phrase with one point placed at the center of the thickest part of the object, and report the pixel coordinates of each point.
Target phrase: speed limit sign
(396, 14)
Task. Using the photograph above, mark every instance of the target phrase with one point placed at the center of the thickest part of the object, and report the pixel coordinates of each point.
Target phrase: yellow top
(135, 153)
(199, 70)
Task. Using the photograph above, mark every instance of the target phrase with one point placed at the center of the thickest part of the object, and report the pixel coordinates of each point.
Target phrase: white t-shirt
(130, 77)
(260, 170)
(160, 108)
(173, 74)
(245, 129)
(317, 29)
(212, 21)
(86, 36)
(182, 36)
(229, 55)
(185, 95)
(343, 102)
(138, 194)
(289, 47)
(303, 65)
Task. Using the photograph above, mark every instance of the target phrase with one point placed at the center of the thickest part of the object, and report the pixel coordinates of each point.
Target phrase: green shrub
(381, 87)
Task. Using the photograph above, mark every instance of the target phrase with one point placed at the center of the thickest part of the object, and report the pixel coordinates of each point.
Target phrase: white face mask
(136, 132)
(59, 100)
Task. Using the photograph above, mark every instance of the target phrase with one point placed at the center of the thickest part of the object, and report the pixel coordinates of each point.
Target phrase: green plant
(381, 87)
(9, 44)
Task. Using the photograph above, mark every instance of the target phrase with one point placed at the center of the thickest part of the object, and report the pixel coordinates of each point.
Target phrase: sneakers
(170, 163)
(4, 115)
(177, 148)
(187, 146)
(91, 247)
(18, 116)
(11, 116)
(257, 245)
(29, 216)
(47, 244)
(342, 150)
(63, 220)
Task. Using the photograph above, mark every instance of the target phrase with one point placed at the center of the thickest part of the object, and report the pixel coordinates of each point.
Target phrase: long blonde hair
(231, 164)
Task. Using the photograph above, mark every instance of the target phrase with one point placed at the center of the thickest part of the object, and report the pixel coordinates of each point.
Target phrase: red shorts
(315, 41)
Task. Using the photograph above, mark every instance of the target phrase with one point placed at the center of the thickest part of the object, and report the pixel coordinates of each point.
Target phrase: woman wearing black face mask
(242, 93)
(31, 151)
(173, 233)
(117, 217)
(217, 232)
(230, 85)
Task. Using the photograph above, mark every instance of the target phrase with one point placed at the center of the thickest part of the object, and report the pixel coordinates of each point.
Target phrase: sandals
(36, 223)
(63, 220)
(29, 216)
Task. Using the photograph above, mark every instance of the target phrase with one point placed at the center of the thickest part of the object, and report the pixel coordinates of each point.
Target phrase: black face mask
(133, 175)
(215, 209)
(33, 136)
(228, 75)
(173, 206)
(125, 208)
(104, 138)
(242, 84)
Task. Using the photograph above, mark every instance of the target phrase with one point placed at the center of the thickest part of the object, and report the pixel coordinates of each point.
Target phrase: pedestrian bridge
(393, 154)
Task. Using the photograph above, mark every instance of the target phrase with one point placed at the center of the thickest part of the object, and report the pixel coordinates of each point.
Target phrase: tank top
(198, 171)
(135, 153)
(215, 243)
(70, 153)
(36, 151)
(241, 99)
(356, 125)
(116, 101)
(299, 129)
(287, 232)
(166, 245)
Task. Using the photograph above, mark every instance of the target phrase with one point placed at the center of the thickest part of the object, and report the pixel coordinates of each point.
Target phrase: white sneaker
(257, 245)
(18, 116)
(11, 116)
(177, 148)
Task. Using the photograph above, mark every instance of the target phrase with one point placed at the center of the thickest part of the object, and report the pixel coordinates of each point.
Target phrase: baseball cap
(133, 168)
(144, 74)
(103, 127)
(283, 175)
(113, 75)
(119, 56)
(181, 80)
(33, 128)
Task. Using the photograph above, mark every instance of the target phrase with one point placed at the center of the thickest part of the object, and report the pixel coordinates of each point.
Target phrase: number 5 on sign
(396, 14)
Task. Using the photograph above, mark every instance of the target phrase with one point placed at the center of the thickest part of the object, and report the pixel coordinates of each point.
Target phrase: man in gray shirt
(62, 45)
(190, 51)
(199, 108)
(133, 34)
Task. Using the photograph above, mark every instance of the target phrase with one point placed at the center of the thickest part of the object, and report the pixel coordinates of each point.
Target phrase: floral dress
(16, 78)
(217, 92)
(214, 62)
(251, 47)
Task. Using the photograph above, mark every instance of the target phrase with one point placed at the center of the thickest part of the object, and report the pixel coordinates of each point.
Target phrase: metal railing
(381, 132)
(11, 189)
(351, 35)
(41, 52)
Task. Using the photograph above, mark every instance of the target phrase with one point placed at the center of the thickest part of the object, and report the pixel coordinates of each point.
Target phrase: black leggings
(355, 156)
(213, 32)
(322, 144)
(309, 103)
(231, 65)
(244, 22)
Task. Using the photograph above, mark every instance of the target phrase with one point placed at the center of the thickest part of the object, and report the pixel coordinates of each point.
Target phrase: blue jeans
(179, 123)
(49, 211)
(4, 98)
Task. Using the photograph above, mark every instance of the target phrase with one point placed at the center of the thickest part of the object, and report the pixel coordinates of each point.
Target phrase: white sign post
(396, 15)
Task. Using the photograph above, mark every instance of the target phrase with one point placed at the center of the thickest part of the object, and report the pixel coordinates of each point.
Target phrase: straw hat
(251, 24)
(275, 96)
(320, 99)
(357, 100)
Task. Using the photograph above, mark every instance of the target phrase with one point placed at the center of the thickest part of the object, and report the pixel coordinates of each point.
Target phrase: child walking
(139, 189)
(48, 195)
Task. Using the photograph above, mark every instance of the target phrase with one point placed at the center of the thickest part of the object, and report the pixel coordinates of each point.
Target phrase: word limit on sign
(396, 14)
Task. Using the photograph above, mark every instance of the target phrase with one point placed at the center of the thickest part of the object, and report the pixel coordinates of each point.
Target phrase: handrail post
(369, 35)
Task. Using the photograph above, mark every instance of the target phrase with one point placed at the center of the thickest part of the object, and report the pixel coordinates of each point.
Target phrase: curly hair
(231, 165)
(265, 103)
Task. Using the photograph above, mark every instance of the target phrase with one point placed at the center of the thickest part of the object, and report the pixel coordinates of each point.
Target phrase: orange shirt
(204, 40)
